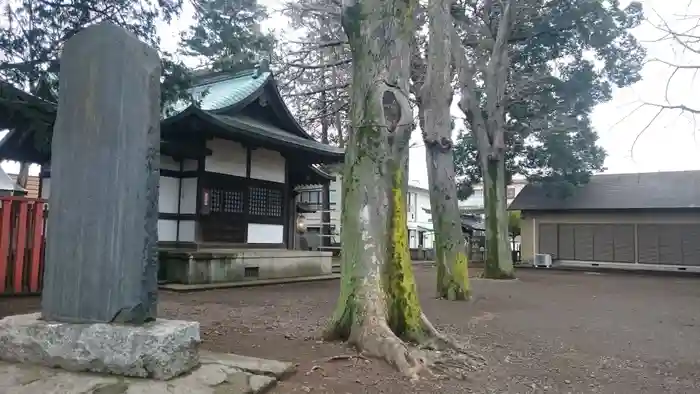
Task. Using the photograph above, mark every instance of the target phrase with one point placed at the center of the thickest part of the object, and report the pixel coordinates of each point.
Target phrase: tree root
(378, 341)
(448, 356)
(435, 354)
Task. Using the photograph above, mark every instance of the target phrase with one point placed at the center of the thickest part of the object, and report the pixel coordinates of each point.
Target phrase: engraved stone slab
(101, 253)
(162, 349)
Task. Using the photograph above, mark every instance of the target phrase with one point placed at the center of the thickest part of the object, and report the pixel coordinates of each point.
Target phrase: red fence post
(5, 209)
(20, 246)
(37, 244)
(21, 228)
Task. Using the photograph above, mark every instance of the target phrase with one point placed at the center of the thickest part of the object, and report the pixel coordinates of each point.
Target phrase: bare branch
(320, 66)
(321, 89)
(468, 102)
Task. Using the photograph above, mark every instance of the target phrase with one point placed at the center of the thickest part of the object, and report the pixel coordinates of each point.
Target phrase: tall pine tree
(226, 34)
(32, 33)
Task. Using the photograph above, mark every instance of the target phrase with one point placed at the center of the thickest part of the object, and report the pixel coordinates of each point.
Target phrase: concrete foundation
(234, 265)
(161, 350)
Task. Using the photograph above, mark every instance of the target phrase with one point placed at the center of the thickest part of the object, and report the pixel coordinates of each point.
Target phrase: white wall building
(420, 225)
(475, 202)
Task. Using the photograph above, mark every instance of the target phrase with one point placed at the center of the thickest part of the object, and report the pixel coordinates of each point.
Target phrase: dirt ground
(549, 331)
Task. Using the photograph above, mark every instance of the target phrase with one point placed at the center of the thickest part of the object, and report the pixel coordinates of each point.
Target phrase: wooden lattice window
(215, 200)
(227, 201)
(265, 202)
(233, 201)
(275, 203)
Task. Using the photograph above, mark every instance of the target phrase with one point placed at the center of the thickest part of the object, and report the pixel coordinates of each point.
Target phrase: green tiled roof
(224, 90)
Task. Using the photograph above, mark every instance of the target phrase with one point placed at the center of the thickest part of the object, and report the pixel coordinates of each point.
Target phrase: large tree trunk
(378, 304)
(378, 309)
(489, 131)
(436, 97)
(499, 262)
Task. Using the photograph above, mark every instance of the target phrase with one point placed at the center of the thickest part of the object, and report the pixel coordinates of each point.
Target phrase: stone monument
(99, 300)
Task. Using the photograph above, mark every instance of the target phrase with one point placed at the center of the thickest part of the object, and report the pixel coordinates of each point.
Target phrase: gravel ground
(549, 331)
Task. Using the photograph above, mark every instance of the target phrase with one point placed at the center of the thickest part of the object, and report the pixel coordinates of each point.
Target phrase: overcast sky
(668, 144)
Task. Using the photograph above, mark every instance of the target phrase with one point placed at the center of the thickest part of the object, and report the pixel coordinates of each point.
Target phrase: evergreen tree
(32, 33)
(226, 34)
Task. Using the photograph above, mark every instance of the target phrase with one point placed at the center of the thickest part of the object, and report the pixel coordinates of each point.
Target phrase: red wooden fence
(22, 228)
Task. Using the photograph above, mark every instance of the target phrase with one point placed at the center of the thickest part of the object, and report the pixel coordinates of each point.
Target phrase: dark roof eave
(228, 131)
(8, 89)
(9, 148)
(322, 173)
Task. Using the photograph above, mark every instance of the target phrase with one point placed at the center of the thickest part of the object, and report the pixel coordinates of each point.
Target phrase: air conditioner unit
(542, 261)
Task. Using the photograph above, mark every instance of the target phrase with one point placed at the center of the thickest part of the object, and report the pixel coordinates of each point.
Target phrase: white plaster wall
(167, 194)
(227, 157)
(267, 165)
(424, 219)
(188, 196)
(265, 233)
(428, 243)
(412, 238)
(167, 230)
(168, 163)
(336, 189)
(186, 231)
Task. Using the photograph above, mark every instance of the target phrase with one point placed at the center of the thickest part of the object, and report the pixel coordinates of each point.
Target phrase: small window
(311, 197)
(251, 272)
(510, 193)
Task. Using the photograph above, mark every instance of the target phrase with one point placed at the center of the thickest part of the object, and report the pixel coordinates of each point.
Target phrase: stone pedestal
(161, 350)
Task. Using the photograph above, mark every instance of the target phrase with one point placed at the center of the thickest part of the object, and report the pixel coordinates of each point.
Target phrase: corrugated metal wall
(674, 244)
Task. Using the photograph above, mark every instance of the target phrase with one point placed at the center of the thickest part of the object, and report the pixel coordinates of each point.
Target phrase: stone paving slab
(218, 374)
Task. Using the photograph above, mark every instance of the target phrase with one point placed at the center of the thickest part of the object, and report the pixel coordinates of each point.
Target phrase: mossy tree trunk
(378, 308)
(488, 125)
(436, 98)
(498, 263)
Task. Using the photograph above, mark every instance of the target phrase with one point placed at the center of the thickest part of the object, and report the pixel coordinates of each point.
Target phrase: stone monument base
(160, 350)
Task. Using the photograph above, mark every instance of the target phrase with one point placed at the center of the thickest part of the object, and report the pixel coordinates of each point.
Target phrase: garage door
(669, 244)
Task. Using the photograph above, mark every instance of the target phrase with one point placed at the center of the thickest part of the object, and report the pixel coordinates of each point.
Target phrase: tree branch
(495, 82)
(468, 102)
(320, 66)
(321, 89)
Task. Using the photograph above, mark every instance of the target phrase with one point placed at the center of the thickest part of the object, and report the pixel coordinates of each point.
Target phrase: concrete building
(628, 221)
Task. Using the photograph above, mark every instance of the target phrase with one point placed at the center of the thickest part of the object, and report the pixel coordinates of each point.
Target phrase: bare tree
(682, 34)
(315, 69)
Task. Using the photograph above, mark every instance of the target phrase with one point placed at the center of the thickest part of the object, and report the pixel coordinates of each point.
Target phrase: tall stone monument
(99, 300)
(101, 251)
